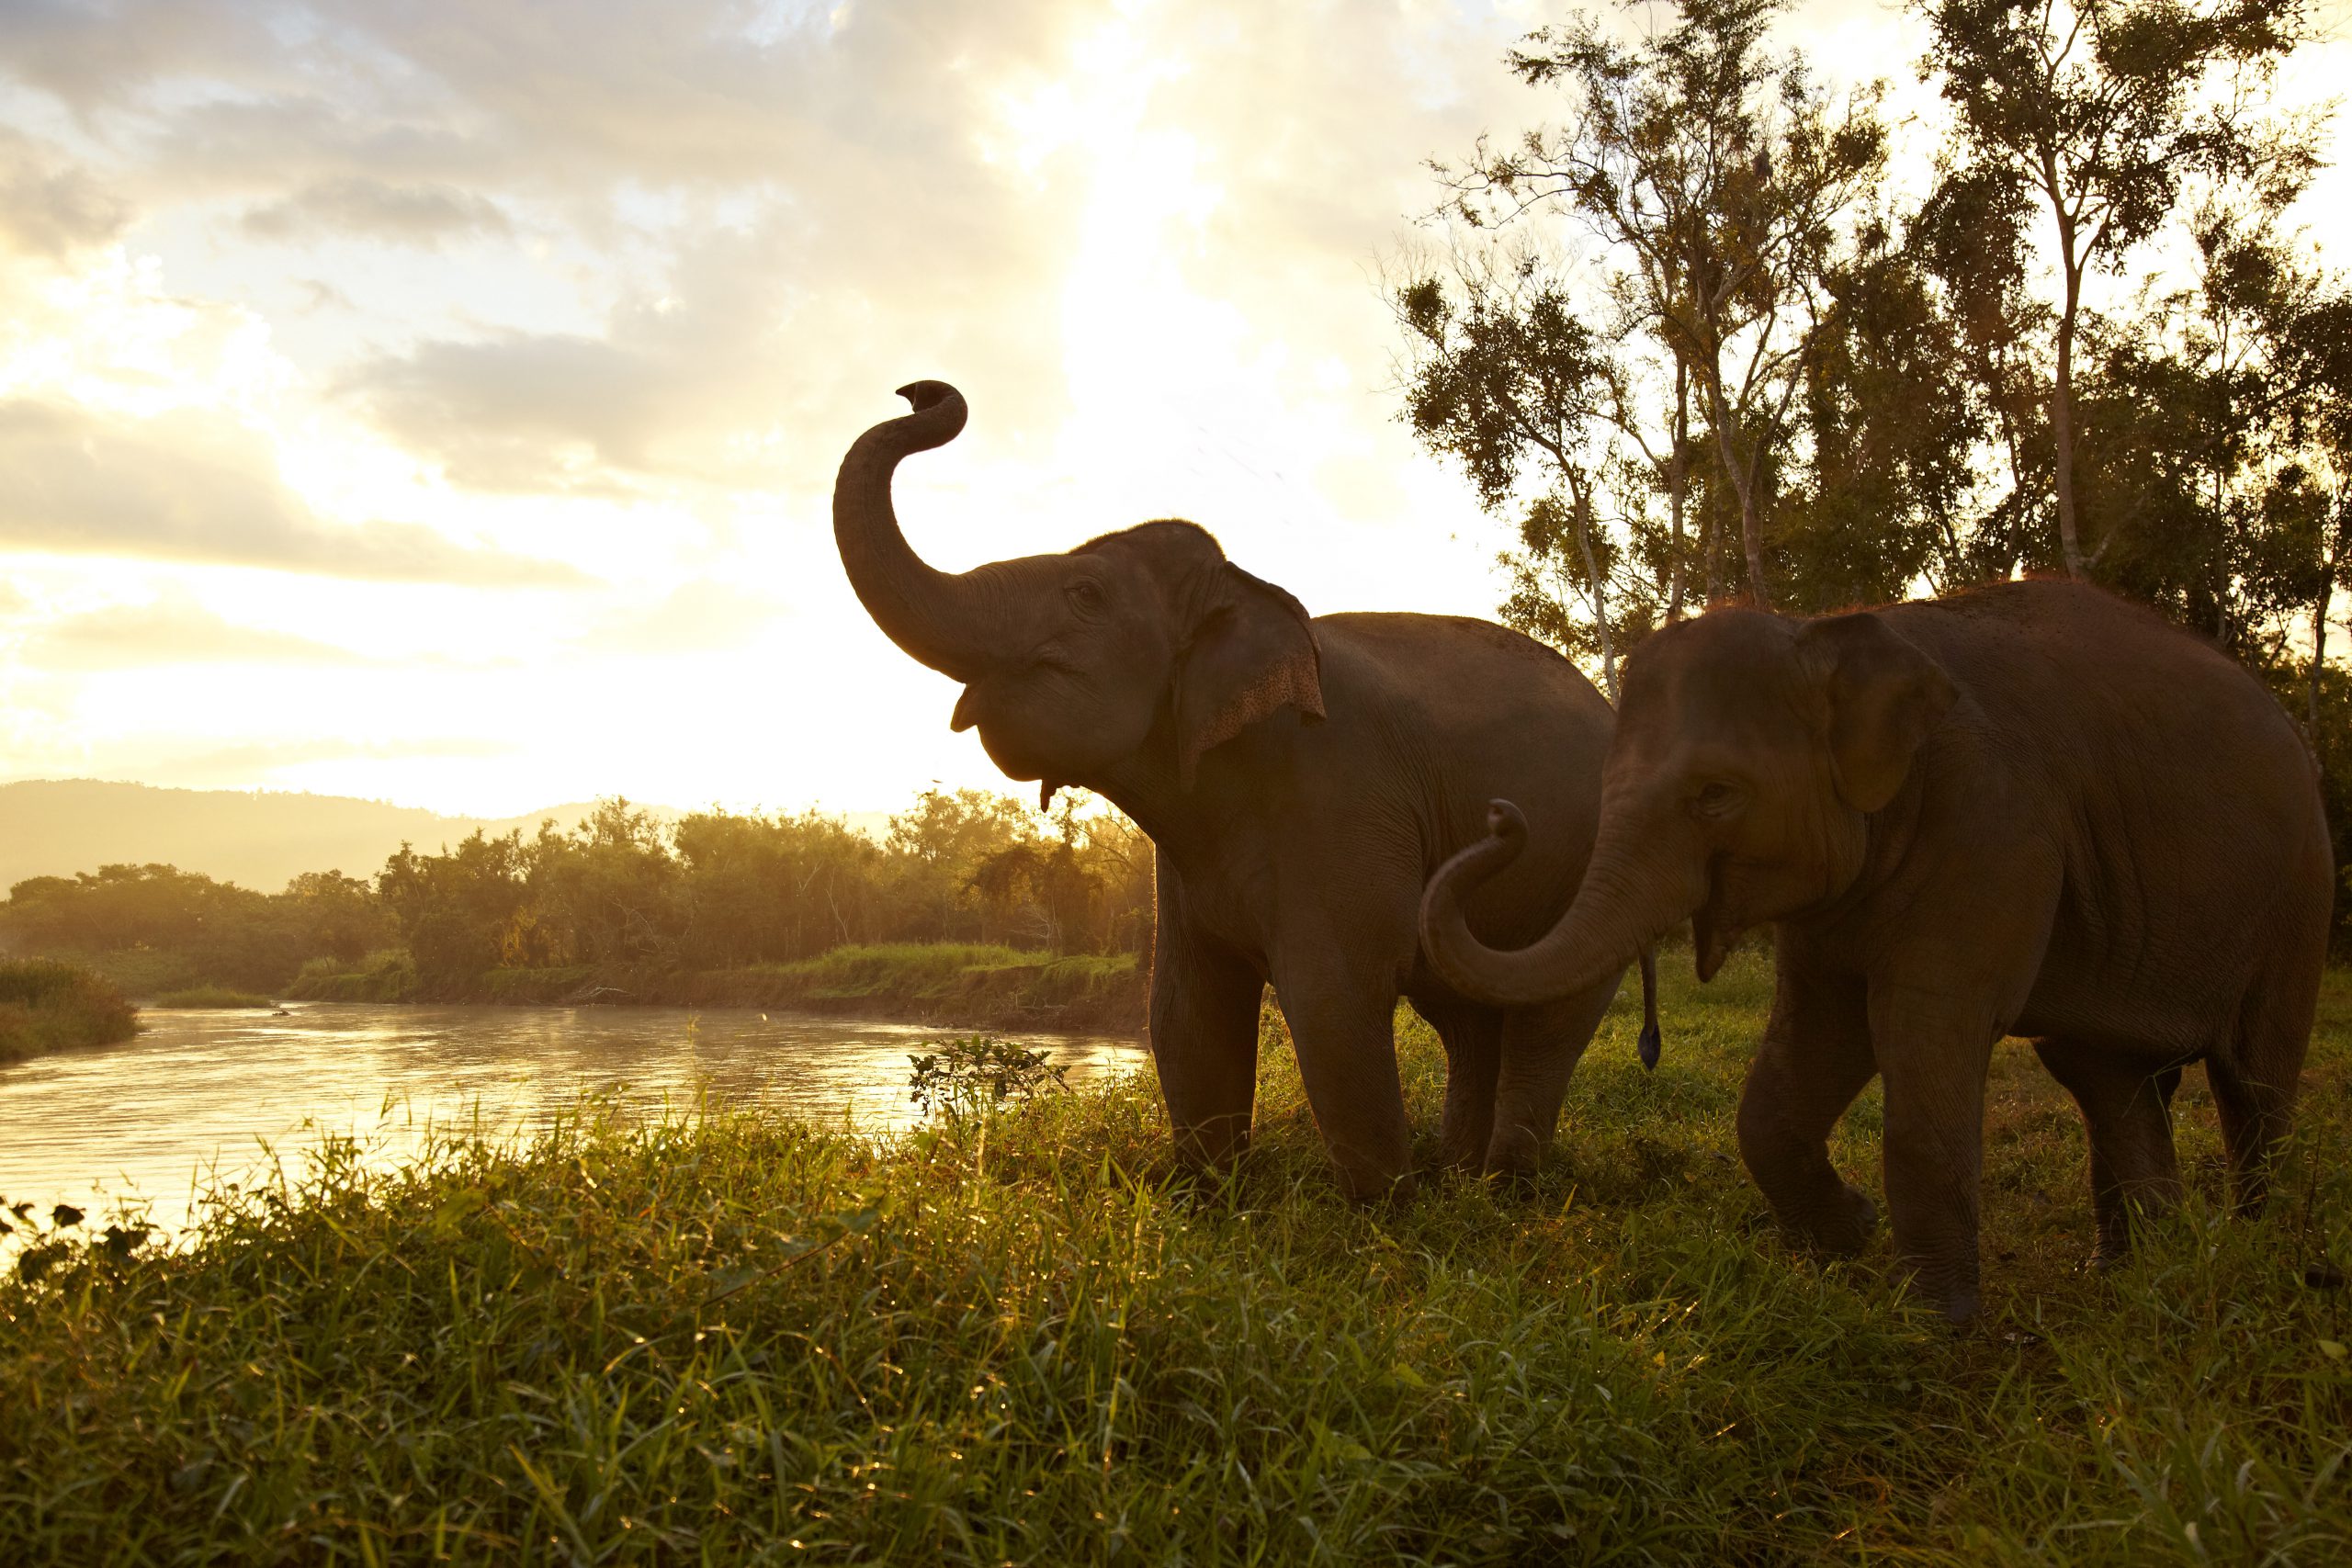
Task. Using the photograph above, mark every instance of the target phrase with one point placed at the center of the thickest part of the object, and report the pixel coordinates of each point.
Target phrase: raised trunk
(1633, 893)
(939, 618)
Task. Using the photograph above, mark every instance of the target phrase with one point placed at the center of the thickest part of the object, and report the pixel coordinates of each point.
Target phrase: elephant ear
(1883, 695)
(1251, 650)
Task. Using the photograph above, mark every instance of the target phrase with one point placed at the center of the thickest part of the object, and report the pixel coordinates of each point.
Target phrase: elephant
(2029, 809)
(1299, 778)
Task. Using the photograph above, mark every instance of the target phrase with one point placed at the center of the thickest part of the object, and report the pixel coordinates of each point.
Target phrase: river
(207, 1095)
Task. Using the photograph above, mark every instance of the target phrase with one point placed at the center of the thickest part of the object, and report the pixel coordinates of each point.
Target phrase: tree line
(1696, 340)
(1713, 331)
(627, 889)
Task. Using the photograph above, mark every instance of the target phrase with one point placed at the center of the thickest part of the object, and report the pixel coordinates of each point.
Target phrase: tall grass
(727, 1337)
(963, 983)
(47, 1005)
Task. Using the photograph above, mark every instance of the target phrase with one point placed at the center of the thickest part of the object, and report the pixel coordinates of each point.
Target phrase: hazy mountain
(57, 827)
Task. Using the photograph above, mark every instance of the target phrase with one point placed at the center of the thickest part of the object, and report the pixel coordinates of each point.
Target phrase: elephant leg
(1541, 1048)
(2127, 1114)
(1933, 1050)
(1205, 1006)
(2255, 1077)
(1472, 1037)
(1815, 1059)
(1342, 1024)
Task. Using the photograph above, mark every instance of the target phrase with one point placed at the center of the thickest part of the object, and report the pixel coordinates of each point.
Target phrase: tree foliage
(626, 890)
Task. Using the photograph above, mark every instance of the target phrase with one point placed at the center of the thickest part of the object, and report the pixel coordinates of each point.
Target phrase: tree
(1715, 187)
(1717, 179)
(1505, 373)
(2105, 110)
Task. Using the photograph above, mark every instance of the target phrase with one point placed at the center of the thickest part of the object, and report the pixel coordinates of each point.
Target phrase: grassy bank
(1019, 1339)
(955, 984)
(46, 1006)
(212, 997)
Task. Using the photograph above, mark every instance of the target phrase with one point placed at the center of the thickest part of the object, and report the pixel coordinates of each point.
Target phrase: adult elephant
(1299, 778)
(2031, 809)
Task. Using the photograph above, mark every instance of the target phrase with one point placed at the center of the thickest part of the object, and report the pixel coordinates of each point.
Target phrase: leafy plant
(980, 1072)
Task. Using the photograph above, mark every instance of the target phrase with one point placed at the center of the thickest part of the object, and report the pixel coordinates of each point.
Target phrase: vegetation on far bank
(1020, 1338)
(212, 996)
(47, 1006)
(714, 906)
(969, 985)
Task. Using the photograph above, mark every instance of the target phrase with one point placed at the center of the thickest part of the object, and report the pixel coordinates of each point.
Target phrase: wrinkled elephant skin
(2031, 810)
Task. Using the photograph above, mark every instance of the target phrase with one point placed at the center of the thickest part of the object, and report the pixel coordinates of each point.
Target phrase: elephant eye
(1717, 799)
(1086, 597)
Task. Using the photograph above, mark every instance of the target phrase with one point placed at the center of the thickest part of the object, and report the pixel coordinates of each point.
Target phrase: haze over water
(218, 1091)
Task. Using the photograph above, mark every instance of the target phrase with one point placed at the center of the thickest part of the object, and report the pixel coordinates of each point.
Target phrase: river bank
(49, 1005)
(1018, 1337)
(952, 985)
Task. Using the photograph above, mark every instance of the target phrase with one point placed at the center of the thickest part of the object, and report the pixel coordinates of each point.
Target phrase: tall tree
(1713, 181)
(1506, 379)
(2103, 110)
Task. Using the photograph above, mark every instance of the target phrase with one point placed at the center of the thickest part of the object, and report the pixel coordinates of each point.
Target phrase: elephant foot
(1956, 1304)
(1513, 1157)
(1372, 1188)
(1458, 1155)
(1845, 1228)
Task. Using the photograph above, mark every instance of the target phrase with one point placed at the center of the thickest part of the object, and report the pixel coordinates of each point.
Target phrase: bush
(212, 996)
(385, 977)
(46, 1005)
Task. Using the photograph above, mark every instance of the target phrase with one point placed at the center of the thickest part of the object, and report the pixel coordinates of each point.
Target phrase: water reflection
(204, 1090)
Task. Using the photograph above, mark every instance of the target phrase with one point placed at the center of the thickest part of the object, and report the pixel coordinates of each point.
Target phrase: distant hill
(57, 827)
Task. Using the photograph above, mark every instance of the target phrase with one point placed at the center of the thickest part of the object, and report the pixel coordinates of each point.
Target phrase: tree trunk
(1678, 485)
(1594, 587)
(2062, 416)
(2319, 656)
(1750, 537)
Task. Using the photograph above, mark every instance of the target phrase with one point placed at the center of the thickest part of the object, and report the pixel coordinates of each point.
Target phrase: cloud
(778, 211)
(702, 616)
(49, 206)
(412, 214)
(170, 631)
(199, 487)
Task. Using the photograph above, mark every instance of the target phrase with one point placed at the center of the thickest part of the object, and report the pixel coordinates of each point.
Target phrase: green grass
(46, 1005)
(730, 1337)
(212, 997)
(969, 986)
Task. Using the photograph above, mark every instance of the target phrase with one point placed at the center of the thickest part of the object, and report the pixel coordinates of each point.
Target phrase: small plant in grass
(42, 1246)
(980, 1073)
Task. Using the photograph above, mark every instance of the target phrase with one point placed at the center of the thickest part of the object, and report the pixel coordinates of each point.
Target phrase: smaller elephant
(2031, 809)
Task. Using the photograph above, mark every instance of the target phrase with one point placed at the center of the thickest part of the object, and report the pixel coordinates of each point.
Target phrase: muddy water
(209, 1095)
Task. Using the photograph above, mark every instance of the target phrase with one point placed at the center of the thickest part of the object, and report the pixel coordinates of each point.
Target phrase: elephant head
(1750, 750)
(1145, 641)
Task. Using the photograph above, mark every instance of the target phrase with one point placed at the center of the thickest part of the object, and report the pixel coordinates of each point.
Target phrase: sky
(438, 402)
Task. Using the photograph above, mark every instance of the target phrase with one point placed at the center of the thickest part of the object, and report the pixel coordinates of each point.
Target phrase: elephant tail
(1651, 1038)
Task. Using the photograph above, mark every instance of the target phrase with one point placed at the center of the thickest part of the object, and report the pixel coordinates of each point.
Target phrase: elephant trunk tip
(924, 396)
(1445, 931)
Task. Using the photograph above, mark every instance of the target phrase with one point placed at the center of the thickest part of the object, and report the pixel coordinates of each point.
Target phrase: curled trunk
(1629, 898)
(942, 619)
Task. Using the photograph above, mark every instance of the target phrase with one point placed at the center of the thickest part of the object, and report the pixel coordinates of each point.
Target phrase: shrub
(46, 1005)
